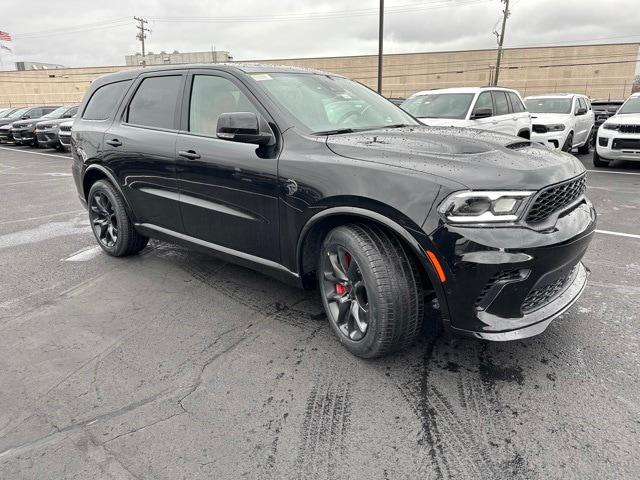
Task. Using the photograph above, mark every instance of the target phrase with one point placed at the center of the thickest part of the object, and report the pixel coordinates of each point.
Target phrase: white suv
(562, 121)
(619, 136)
(487, 108)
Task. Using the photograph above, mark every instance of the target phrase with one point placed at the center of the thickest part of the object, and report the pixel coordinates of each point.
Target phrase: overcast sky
(102, 33)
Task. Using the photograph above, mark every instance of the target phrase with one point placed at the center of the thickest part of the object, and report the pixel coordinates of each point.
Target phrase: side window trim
(123, 109)
(186, 99)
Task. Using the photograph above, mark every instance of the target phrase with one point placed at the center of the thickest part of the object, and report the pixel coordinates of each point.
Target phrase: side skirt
(261, 265)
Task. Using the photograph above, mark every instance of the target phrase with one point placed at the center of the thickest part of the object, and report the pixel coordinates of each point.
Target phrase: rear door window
(104, 101)
(501, 102)
(154, 103)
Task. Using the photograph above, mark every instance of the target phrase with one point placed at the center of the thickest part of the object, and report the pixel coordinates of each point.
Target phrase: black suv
(319, 181)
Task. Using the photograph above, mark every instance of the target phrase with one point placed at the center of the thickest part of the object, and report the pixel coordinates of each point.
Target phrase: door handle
(114, 142)
(190, 154)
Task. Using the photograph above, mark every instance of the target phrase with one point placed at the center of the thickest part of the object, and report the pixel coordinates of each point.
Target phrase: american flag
(5, 36)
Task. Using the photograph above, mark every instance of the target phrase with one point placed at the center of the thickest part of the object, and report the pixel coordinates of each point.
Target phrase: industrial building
(176, 57)
(600, 71)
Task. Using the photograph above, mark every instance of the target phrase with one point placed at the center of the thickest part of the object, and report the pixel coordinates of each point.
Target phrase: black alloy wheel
(103, 219)
(110, 222)
(371, 289)
(345, 293)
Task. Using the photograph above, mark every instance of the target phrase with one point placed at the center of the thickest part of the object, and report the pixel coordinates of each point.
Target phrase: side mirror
(26, 117)
(244, 127)
(581, 111)
(482, 113)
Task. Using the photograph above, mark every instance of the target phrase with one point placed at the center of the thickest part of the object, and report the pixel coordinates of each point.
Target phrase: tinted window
(154, 103)
(212, 96)
(501, 102)
(104, 101)
(484, 101)
(582, 103)
(516, 104)
(439, 105)
(71, 112)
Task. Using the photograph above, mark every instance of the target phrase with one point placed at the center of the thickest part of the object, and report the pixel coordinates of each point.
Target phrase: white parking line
(619, 234)
(615, 173)
(36, 153)
(83, 255)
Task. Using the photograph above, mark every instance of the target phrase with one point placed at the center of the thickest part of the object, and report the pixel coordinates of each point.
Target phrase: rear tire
(110, 222)
(383, 282)
(598, 161)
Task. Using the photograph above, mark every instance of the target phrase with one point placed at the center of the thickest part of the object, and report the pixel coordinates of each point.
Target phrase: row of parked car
(562, 121)
(40, 126)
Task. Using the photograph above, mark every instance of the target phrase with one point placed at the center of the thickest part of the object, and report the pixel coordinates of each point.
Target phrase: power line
(117, 22)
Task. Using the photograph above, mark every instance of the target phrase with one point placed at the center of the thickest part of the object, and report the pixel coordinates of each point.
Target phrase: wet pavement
(173, 364)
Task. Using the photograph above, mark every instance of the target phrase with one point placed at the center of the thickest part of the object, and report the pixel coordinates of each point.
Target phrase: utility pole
(380, 35)
(142, 35)
(505, 15)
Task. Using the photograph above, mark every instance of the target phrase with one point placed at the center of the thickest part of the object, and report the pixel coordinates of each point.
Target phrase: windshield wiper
(335, 132)
(398, 125)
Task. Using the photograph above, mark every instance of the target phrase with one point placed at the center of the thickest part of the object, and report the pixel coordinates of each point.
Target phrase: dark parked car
(47, 129)
(7, 121)
(382, 214)
(24, 131)
(604, 109)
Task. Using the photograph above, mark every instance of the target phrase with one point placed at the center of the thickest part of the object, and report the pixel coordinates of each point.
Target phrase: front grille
(625, 144)
(539, 297)
(555, 198)
(629, 128)
(539, 128)
(504, 277)
(65, 128)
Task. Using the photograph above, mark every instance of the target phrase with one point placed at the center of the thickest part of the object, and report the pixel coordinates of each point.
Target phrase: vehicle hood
(445, 122)
(474, 158)
(6, 121)
(626, 119)
(550, 118)
(24, 123)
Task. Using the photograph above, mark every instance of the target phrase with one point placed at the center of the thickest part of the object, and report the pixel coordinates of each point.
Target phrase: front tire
(568, 143)
(110, 223)
(598, 161)
(371, 290)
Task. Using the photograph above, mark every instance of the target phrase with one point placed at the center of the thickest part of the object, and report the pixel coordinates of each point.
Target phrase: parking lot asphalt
(173, 364)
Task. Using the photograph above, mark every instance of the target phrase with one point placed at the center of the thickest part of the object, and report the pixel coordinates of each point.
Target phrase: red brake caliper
(340, 288)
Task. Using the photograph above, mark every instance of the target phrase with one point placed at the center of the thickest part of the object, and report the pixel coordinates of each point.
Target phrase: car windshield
(632, 105)
(323, 104)
(439, 105)
(18, 113)
(57, 113)
(548, 105)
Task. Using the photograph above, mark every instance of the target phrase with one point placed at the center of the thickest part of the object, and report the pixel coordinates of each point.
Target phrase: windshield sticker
(259, 77)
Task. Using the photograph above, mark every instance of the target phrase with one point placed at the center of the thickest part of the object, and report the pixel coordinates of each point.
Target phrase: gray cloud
(454, 27)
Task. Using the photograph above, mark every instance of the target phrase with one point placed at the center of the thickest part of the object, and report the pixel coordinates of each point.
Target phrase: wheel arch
(96, 172)
(525, 133)
(313, 232)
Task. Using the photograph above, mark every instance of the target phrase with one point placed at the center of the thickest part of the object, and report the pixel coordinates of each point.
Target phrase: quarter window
(500, 100)
(154, 103)
(104, 101)
(212, 96)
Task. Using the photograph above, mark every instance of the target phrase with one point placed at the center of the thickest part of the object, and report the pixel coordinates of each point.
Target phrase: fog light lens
(603, 141)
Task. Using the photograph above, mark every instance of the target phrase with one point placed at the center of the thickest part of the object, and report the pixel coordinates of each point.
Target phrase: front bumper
(554, 140)
(5, 136)
(47, 138)
(23, 135)
(627, 145)
(507, 283)
(64, 139)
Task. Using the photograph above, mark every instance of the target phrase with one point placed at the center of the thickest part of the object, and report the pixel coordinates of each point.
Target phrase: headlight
(559, 127)
(610, 126)
(481, 207)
